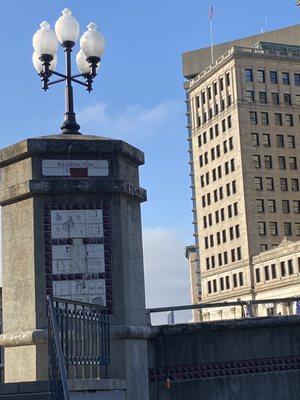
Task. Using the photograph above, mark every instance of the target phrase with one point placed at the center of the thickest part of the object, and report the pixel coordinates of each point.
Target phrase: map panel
(78, 256)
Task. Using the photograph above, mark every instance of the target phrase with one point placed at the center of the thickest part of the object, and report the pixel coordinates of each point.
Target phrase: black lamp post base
(70, 127)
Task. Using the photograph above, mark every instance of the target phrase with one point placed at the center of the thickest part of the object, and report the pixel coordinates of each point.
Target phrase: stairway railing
(57, 369)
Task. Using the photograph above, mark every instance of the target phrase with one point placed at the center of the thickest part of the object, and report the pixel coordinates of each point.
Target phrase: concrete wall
(238, 360)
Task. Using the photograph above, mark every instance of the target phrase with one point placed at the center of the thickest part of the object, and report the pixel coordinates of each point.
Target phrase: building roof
(193, 62)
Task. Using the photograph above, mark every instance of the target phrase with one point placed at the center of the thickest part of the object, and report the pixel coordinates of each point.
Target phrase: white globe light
(44, 40)
(92, 42)
(82, 64)
(38, 64)
(67, 27)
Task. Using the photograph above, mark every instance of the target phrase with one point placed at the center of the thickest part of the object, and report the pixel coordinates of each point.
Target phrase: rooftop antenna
(266, 25)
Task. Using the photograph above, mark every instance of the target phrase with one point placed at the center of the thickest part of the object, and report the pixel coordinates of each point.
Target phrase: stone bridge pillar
(71, 226)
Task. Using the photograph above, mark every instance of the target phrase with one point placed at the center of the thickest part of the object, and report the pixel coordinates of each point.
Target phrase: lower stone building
(276, 275)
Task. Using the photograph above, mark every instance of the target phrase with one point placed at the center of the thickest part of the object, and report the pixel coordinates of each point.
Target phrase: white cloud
(132, 122)
(166, 271)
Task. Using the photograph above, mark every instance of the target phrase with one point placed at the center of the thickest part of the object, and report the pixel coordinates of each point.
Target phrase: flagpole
(210, 17)
(211, 41)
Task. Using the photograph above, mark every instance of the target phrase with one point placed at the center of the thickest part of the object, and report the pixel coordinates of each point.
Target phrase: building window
(273, 77)
(216, 130)
(203, 98)
(216, 109)
(271, 206)
(253, 117)
(278, 119)
(293, 163)
(267, 273)
(283, 184)
(275, 98)
(228, 79)
(215, 289)
(296, 206)
(281, 162)
(204, 138)
(239, 253)
(285, 78)
(289, 119)
(282, 268)
(227, 281)
(250, 96)
(257, 275)
(229, 124)
(260, 206)
(225, 257)
(268, 162)
(207, 263)
(233, 187)
(263, 247)
(266, 141)
(221, 81)
(262, 97)
(248, 75)
(287, 99)
(222, 212)
(209, 93)
(280, 140)
(273, 228)
(290, 267)
(223, 125)
(291, 141)
(261, 228)
(258, 183)
(230, 142)
(206, 242)
(270, 184)
(222, 284)
(297, 79)
(220, 259)
(297, 228)
(256, 161)
(237, 231)
(211, 133)
(273, 271)
(209, 287)
(235, 284)
(295, 185)
(264, 118)
(261, 76)
(241, 279)
(232, 165)
(254, 139)
(233, 255)
(215, 86)
(285, 206)
(287, 228)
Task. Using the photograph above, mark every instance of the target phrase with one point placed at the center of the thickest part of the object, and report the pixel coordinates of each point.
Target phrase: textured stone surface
(24, 191)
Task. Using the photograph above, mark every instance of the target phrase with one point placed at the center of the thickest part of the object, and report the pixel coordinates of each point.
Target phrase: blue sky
(138, 96)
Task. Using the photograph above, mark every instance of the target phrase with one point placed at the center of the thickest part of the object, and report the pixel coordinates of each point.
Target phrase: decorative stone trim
(223, 369)
(24, 338)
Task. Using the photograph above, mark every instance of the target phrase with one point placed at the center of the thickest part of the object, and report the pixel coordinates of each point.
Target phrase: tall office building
(244, 143)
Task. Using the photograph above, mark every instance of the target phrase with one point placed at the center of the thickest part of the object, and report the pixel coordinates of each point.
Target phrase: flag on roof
(210, 13)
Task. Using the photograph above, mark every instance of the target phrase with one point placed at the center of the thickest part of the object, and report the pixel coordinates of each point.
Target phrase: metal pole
(69, 125)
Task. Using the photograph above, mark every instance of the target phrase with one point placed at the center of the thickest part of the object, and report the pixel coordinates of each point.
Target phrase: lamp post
(45, 44)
